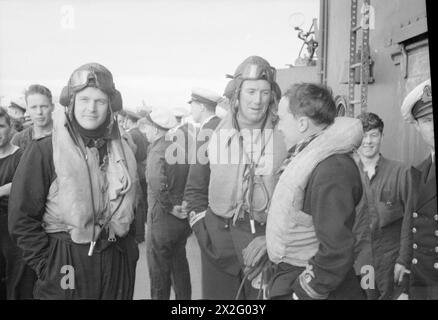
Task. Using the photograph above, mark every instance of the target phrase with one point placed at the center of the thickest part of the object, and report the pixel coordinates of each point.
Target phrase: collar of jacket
(157, 142)
(206, 121)
(379, 164)
(227, 123)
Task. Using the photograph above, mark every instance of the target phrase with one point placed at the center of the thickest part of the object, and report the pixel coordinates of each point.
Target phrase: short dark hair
(371, 121)
(40, 89)
(4, 114)
(312, 100)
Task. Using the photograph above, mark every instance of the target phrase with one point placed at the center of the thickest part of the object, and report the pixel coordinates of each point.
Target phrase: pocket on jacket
(389, 207)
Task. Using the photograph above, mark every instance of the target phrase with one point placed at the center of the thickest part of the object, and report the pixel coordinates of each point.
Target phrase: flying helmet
(252, 68)
(91, 75)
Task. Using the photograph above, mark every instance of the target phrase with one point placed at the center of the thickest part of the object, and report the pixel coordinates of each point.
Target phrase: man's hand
(399, 271)
(254, 251)
(180, 211)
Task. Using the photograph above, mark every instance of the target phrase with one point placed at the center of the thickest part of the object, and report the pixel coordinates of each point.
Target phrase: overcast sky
(156, 50)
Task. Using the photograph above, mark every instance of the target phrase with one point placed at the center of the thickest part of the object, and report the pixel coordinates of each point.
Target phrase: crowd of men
(286, 200)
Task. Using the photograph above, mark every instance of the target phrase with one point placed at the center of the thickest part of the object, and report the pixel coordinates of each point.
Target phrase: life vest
(110, 187)
(290, 233)
(230, 174)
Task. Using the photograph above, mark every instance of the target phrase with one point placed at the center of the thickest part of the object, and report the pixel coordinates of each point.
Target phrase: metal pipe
(323, 43)
(326, 24)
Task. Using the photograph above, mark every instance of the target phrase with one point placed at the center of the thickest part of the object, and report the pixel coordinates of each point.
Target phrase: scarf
(295, 150)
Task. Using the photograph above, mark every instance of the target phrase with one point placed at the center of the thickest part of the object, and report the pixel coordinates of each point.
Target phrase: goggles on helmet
(82, 78)
(256, 72)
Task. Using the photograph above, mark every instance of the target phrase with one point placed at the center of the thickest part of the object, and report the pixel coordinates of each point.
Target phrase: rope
(239, 291)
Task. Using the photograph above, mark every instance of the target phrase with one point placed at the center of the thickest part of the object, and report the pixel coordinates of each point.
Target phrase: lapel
(426, 189)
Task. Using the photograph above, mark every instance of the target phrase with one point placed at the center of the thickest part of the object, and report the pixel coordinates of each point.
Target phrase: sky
(157, 50)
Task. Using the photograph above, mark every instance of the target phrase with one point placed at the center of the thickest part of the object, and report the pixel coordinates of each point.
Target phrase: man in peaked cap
(166, 235)
(420, 227)
(17, 109)
(203, 103)
(227, 200)
(73, 196)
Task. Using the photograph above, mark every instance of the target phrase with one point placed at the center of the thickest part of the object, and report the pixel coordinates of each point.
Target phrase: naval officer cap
(162, 118)
(205, 96)
(18, 102)
(418, 103)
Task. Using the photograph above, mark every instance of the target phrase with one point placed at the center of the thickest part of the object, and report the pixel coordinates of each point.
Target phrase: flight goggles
(257, 72)
(82, 78)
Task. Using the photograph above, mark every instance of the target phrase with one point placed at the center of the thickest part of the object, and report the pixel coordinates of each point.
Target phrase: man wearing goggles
(73, 197)
(226, 202)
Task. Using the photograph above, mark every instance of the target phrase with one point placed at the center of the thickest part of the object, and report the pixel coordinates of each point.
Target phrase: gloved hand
(255, 270)
(255, 256)
(255, 250)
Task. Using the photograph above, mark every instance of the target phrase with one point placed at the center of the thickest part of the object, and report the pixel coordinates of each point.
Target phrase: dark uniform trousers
(109, 274)
(141, 210)
(166, 235)
(221, 245)
(166, 239)
(424, 222)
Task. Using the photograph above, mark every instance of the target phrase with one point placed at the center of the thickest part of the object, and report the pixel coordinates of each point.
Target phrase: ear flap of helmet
(116, 101)
(64, 98)
(276, 89)
(229, 89)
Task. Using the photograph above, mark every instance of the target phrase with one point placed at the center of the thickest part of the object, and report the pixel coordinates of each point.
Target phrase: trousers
(221, 244)
(17, 279)
(70, 274)
(166, 238)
